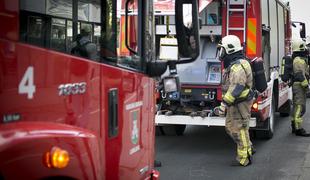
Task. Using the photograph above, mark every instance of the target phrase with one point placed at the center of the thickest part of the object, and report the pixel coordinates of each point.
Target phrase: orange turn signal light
(57, 158)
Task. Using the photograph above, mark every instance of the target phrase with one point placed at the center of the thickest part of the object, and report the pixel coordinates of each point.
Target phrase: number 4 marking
(26, 85)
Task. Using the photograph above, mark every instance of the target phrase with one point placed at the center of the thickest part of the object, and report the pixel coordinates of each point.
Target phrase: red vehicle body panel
(76, 123)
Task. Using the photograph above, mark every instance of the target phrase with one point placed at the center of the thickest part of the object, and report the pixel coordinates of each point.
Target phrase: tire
(179, 129)
(159, 130)
(268, 134)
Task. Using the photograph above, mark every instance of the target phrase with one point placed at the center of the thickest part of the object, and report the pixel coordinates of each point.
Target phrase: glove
(220, 110)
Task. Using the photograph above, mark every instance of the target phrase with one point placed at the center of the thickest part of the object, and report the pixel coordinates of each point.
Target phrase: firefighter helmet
(298, 45)
(230, 44)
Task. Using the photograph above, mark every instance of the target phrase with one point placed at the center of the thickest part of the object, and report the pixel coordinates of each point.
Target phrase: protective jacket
(301, 71)
(237, 82)
(300, 84)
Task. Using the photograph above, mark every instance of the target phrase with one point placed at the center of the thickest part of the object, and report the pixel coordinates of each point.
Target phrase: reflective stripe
(229, 98)
(251, 36)
(236, 68)
(297, 118)
(243, 153)
(282, 67)
(299, 61)
(244, 93)
(304, 83)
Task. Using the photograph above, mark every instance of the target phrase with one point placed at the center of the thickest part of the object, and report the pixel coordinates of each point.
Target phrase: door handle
(113, 112)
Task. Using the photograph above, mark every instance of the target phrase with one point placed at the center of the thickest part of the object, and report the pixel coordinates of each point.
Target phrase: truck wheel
(179, 129)
(159, 130)
(268, 134)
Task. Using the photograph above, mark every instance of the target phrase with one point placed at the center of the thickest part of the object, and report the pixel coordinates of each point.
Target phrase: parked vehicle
(264, 28)
(69, 117)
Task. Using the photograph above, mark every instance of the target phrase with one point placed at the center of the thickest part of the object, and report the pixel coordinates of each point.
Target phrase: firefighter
(300, 85)
(82, 46)
(237, 97)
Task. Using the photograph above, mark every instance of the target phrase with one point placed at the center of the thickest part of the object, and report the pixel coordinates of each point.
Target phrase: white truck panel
(265, 12)
(197, 72)
(162, 30)
(273, 33)
(210, 30)
(281, 31)
(188, 120)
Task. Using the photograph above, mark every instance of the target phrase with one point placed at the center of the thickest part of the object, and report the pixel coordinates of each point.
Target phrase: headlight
(170, 85)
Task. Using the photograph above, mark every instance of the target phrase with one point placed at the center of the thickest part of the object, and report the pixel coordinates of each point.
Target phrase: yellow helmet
(231, 44)
(298, 45)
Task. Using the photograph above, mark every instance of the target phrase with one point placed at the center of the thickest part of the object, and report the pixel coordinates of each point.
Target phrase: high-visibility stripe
(251, 36)
(297, 118)
(229, 98)
(236, 68)
(244, 93)
(243, 153)
(304, 83)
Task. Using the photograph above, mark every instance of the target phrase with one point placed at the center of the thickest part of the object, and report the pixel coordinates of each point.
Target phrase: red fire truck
(264, 28)
(65, 116)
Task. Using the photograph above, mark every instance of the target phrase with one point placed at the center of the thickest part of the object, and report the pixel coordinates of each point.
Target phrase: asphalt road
(206, 153)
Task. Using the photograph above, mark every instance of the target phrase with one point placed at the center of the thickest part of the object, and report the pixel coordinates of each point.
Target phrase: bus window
(114, 46)
(58, 34)
(69, 37)
(35, 30)
(58, 8)
(83, 43)
(97, 35)
(50, 24)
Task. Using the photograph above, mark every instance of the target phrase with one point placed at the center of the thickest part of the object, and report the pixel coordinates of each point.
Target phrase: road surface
(206, 153)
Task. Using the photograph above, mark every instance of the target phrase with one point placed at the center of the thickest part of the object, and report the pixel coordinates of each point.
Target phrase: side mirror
(303, 30)
(187, 30)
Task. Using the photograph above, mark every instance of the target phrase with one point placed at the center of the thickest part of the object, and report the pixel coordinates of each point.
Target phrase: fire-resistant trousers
(299, 104)
(237, 127)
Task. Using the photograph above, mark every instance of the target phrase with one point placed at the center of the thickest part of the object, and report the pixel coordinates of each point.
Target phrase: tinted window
(58, 34)
(114, 46)
(97, 32)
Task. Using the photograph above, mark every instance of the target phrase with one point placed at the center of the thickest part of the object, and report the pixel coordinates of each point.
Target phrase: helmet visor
(220, 53)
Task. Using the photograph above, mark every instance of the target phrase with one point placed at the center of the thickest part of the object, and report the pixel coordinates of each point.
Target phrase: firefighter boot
(293, 126)
(253, 150)
(237, 163)
(301, 132)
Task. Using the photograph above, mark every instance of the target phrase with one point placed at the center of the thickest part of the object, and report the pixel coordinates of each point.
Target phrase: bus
(68, 116)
